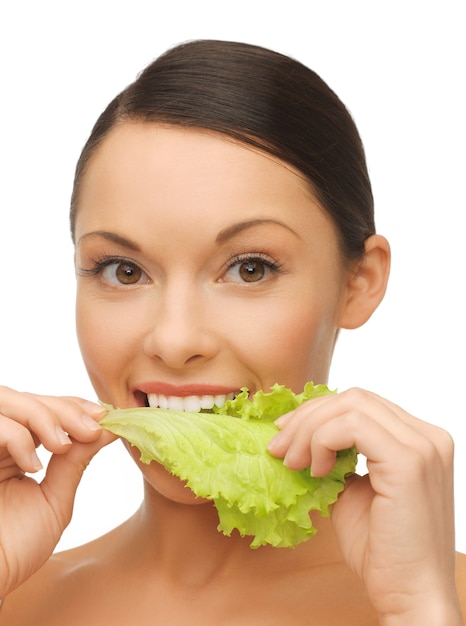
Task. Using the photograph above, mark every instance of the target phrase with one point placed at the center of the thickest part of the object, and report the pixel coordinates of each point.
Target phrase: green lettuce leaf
(222, 456)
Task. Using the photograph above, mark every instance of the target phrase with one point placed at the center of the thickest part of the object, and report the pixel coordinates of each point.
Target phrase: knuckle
(15, 434)
(355, 395)
(444, 438)
(444, 443)
(356, 420)
(415, 461)
(430, 454)
(440, 440)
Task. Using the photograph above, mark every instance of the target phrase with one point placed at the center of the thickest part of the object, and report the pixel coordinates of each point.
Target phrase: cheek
(104, 340)
(294, 344)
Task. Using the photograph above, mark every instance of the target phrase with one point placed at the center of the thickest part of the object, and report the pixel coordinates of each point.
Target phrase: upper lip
(185, 390)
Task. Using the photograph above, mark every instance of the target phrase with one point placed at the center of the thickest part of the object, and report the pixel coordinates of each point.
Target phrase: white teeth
(175, 403)
(207, 402)
(188, 403)
(191, 403)
(162, 402)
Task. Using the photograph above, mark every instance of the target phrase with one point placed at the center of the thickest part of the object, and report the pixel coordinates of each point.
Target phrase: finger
(437, 435)
(291, 422)
(312, 404)
(94, 409)
(307, 418)
(428, 439)
(79, 418)
(64, 472)
(86, 407)
(20, 446)
(32, 414)
(354, 429)
(52, 420)
(380, 445)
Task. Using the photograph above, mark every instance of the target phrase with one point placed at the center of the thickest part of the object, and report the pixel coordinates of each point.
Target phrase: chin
(163, 482)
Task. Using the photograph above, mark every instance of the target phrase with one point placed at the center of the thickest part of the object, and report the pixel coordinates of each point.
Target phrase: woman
(223, 222)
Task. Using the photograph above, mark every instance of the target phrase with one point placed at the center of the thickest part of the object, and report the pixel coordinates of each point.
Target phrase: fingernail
(95, 409)
(36, 464)
(282, 419)
(90, 423)
(62, 436)
(273, 442)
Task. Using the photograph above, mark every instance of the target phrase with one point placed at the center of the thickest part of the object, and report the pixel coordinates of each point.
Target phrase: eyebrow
(235, 229)
(113, 237)
(223, 236)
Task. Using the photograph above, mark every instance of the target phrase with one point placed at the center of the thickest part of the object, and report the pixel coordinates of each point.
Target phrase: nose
(180, 332)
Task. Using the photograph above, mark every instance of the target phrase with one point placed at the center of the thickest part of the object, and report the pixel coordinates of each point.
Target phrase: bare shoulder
(28, 600)
(461, 580)
(48, 595)
(32, 602)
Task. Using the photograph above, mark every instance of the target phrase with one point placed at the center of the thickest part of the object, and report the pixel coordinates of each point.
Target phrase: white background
(399, 66)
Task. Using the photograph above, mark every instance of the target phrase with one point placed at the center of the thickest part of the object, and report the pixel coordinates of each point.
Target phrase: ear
(367, 283)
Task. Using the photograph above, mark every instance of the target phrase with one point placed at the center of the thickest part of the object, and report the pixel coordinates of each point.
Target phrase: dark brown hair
(261, 98)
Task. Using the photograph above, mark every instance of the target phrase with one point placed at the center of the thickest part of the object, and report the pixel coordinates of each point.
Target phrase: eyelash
(98, 265)
(273, 266)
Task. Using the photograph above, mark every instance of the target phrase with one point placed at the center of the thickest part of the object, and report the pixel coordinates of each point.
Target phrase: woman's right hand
(33, 516)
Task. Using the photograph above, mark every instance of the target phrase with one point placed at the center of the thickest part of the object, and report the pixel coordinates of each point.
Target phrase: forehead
(171, 147)
(146, 169)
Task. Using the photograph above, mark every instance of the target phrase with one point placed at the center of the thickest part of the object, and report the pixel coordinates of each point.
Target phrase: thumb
(64, 473)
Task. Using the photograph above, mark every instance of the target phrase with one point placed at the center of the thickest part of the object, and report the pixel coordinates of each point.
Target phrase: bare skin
(227, 586)
(136, 574)
(257, 297)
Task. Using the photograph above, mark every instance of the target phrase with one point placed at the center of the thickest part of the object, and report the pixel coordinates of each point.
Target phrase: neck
(184, 541)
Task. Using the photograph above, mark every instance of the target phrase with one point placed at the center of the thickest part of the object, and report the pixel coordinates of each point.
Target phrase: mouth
(194, 404)
(189, 397)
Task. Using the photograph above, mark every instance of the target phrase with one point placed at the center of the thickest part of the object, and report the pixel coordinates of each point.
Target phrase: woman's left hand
(395, 526)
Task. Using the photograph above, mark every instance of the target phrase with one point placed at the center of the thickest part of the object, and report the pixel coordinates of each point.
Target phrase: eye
(115, 271)
(250, 269)
(123, 273)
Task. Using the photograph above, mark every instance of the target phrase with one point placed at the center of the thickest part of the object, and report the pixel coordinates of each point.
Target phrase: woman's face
(203, 266)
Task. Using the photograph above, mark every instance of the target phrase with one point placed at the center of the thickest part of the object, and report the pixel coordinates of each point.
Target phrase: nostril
(193, 359)
(179, 340)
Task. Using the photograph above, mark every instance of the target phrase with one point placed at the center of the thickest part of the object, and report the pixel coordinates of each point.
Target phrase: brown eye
(252, 270)
(128, 274)
(123, 273)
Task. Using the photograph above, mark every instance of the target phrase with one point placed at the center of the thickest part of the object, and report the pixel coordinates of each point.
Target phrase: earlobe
(367, 283)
